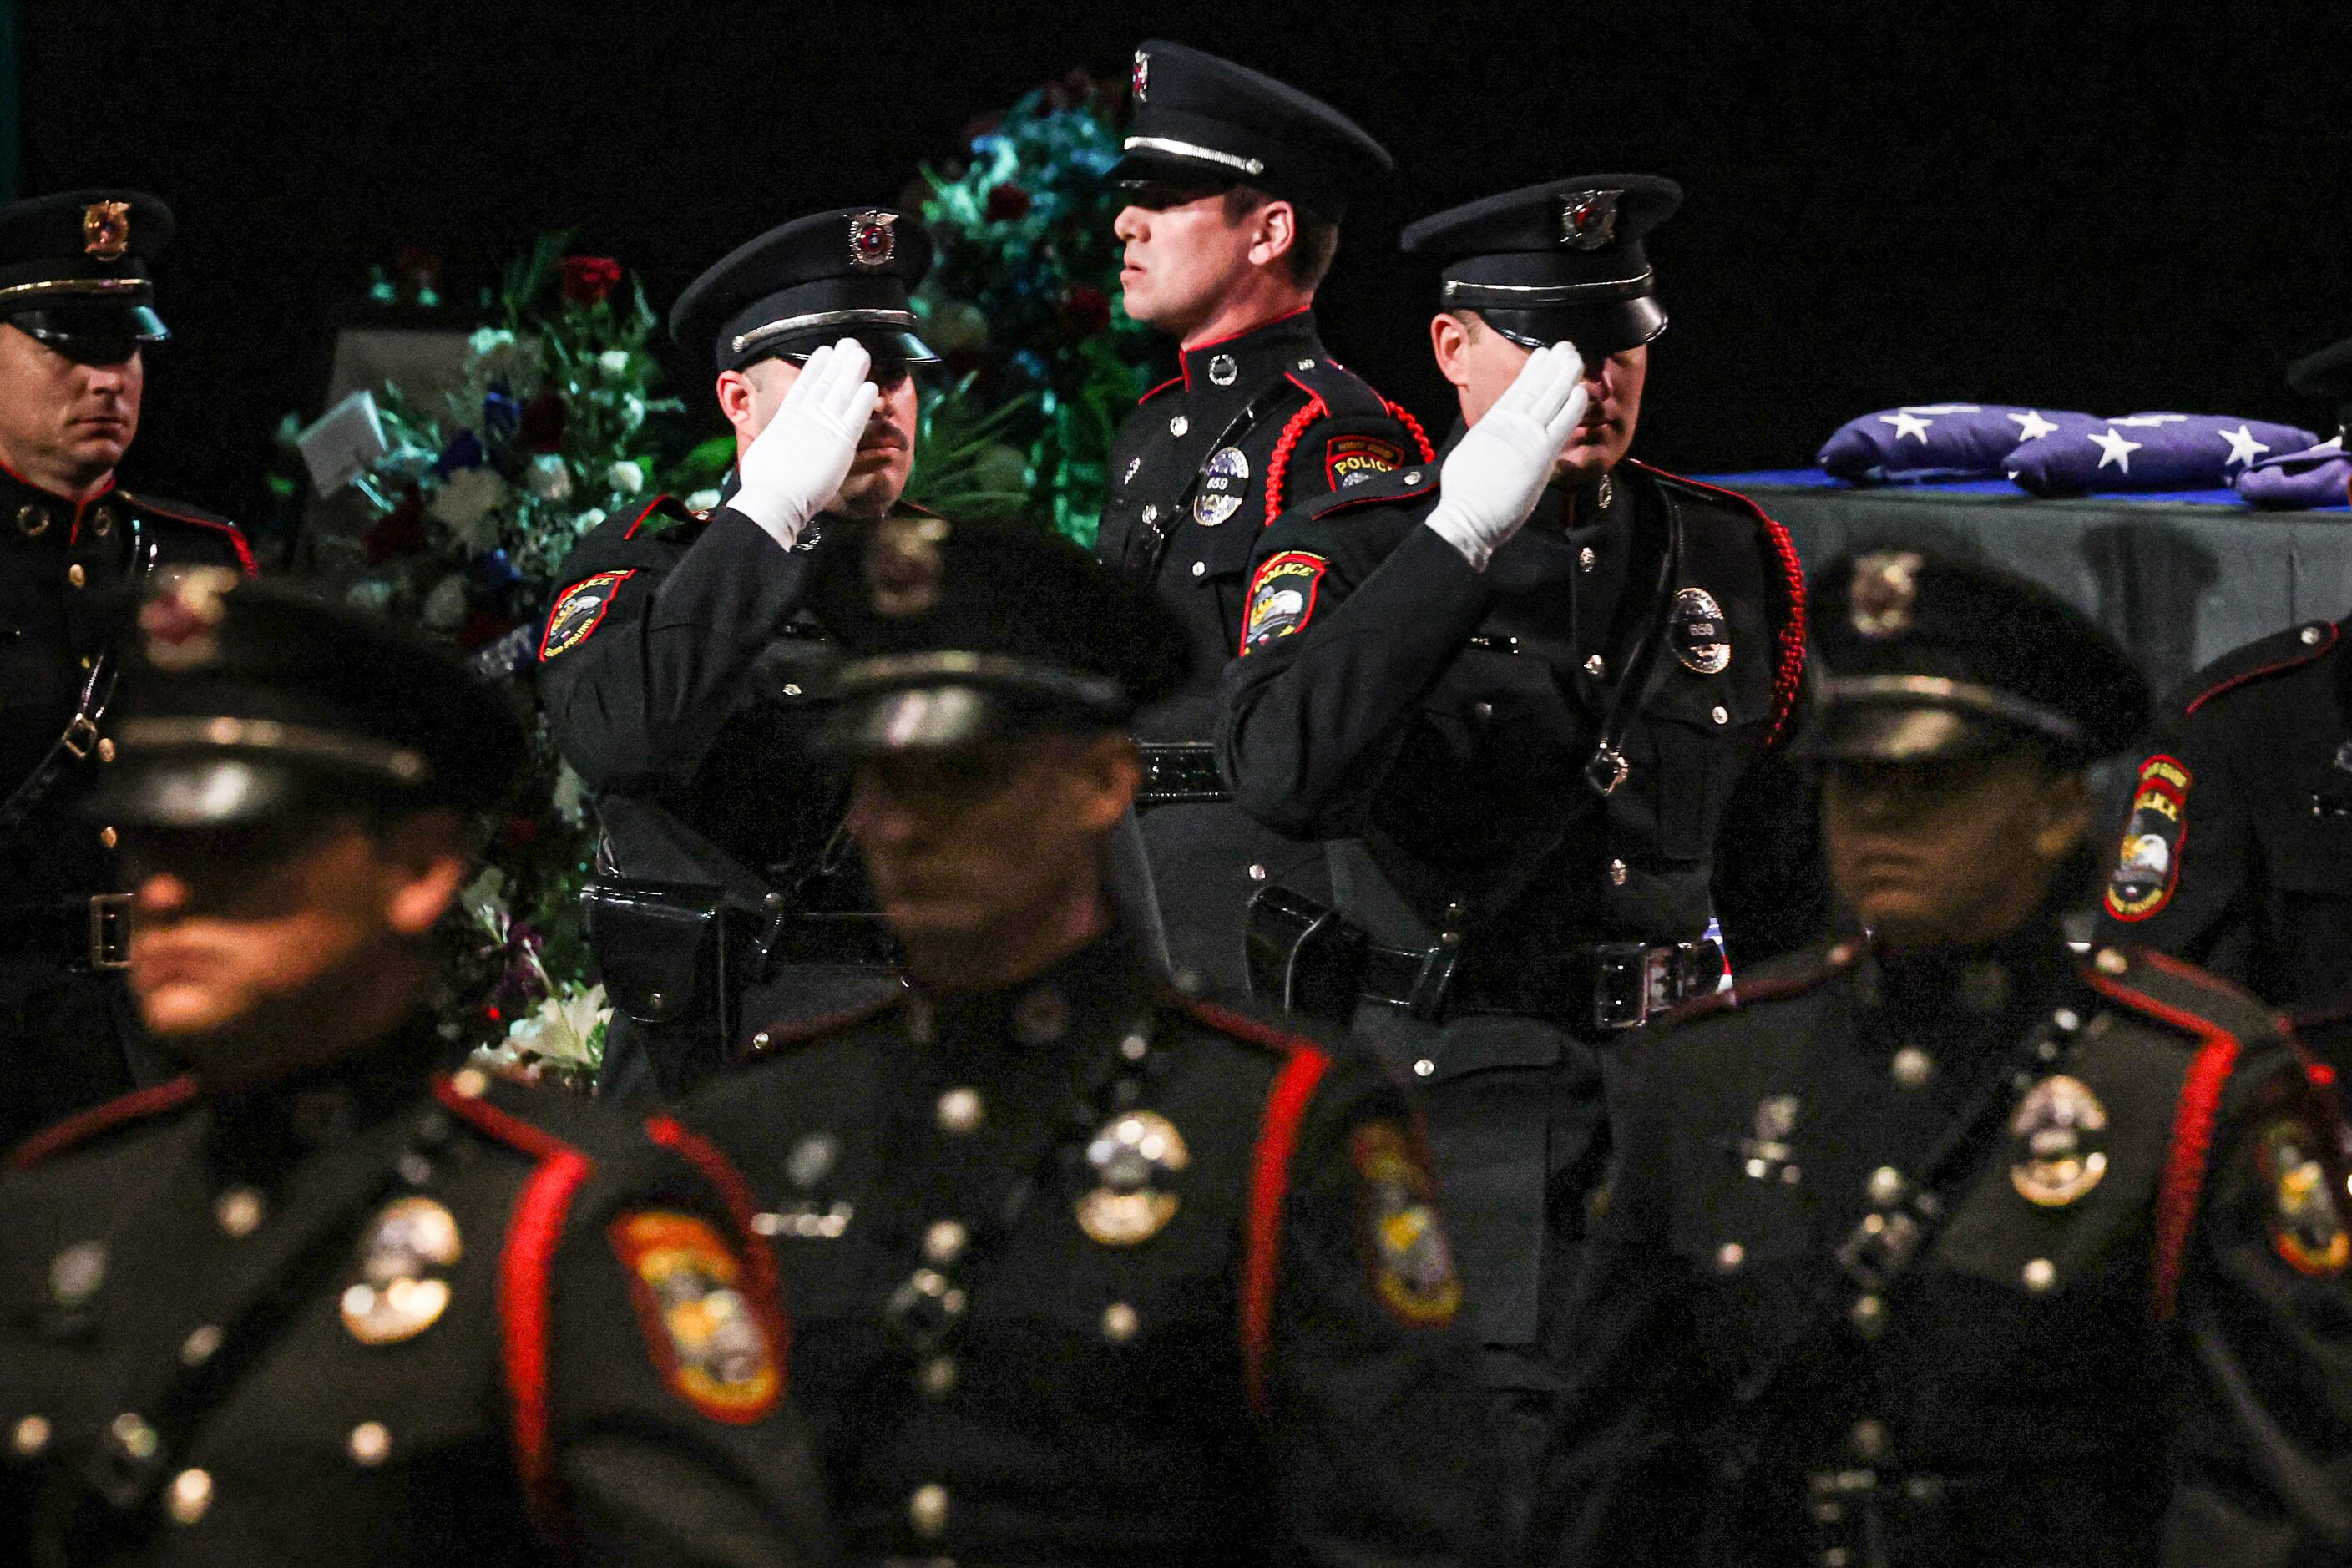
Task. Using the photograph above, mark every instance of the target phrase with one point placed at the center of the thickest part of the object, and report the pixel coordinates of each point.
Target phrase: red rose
(541, 426)
(1084, 310)
(518, 833)
(589, 278)
(1006, 203)
(401, 532)
(482, 627)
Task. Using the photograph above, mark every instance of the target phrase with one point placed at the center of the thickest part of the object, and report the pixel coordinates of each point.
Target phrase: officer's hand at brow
(796, 465)
(1492, 479)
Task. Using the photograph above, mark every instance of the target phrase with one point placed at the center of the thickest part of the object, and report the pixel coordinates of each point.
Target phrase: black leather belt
(89, 933)
(1182, 771)
(1606, 985)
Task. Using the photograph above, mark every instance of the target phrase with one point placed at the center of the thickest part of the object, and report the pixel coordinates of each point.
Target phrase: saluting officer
(2237, 850)
(1239, 185)
(678, 664)
(1530, 704)
(1082, 1270)
(1950, 1246)
(316, 1300)
(76, 313)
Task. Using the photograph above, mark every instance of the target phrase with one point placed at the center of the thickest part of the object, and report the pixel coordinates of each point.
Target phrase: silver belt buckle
(110, 931)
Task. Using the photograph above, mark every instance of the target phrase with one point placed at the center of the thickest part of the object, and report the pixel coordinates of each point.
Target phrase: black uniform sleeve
(2199, 902)
(641, 695)
(2263, 1430)
(1771, 886)
(1388, 605)
(1377, 1425)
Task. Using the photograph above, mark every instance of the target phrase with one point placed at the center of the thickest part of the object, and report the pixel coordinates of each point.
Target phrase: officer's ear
(425, 855)
(749, 396)
(1449, 342)
(1274, 230)
(2063, 814)
(1111, 771)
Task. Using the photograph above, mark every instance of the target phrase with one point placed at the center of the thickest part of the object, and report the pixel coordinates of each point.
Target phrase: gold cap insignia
(1132, 1156)
(873, 238)
(178, 623)
(106, 229)
(2057, 1127)
(903, 564)
(1885, 584)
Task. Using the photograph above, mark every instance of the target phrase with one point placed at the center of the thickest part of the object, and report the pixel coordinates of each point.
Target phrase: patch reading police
(2307, 1230)
(1224, 482)
(1405, 1248)
(2058, 1126)
(1281, 597)
(1352, 460)
(2148, 862)
(399, 1293)
(1133, 1156)
(579, 610)
(1697, 633)
(704, 1333)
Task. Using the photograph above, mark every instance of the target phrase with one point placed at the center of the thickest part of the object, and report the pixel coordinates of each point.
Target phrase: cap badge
(1132, 1157)
(903, 564)
(2056, 1127)
(1143, 75)
(1885, 584)
(1587, 219)
(873, 238)
(178, 623)
(1702, 643)
(106, 229)
(399, 1293)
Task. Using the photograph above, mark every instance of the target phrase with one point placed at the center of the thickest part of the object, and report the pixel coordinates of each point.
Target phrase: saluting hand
(1493, 477)
(795, 465)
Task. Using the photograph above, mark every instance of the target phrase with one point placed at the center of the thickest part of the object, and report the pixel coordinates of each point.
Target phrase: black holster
(665, 953)
(1303, 958)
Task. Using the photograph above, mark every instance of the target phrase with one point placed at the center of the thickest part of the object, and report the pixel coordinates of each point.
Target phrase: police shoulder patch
(1410, 1262)
(1281, 596)
(2305, 1224)
(2148, 862)
(706, 1334)
(1351, 460)
(579, 610)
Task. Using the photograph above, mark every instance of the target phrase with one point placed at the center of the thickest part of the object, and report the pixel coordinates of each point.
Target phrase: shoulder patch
(1351, 460)
(706, 1334)
(1281, 597)
(580, 610)
(2147, 861)
(2258, 660)
(1405, 1251)
(2306, 1226)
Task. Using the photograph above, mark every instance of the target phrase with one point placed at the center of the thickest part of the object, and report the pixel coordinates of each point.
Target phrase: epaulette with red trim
(1334, 392)
(1786, 577)
(185, 515)
(780, 1037)
(1401, 487)
(124, 1110)
(2157, 986)
(1248, 1030)
(1774, 979)
(2258, 660)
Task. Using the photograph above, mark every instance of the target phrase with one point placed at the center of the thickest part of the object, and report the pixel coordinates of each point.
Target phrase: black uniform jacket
(61, 1045)
(1253, 424)
(2123, 1334)
(1448, 717)
(376, 1316)
(1089, 1273)
(2237, 854)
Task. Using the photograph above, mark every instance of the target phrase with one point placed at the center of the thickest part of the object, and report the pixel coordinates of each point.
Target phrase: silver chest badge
(1224, 483)
(1701, 639)
(1132, 1157)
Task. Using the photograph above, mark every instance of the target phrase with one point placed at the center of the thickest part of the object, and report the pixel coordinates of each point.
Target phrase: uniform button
(1585, 559)
(2067, 1019)
(1721, 714)
(1912, 1068)
(1423, 1067)
(1616, 873)
(1413, 477)
(1596, 667)
(2110, 962)
(105, 750)
(75, 576)
(1150, 513)
(1729, 1257)
(190, 1495)
(130, 1435)
(1483, 710)
(1869, 1314)
(198, 1347)
(1200, 568)
(370, 1443)
(2040, 1275)
(107, 837)
(960, 1110)
(2310, 636)
(1134, 1047)
(1178, 426)
(1119, 1322)
(759, 1041)
(239, 1212)
(101, 521)
(77, 1272)
(936, 1377)
(927, 1511)
(1306, 365)
(469, 1083)
(944, 1242)
(30, 1436)
(1886, 1187)
(1257, 873)
(32, 521)
(1869, 1438)
(791, 690)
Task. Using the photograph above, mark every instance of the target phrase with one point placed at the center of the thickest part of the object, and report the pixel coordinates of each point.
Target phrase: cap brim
(92, 322)
(922, 719)
(194, 790)
(1891, 732)
(1140, 166)
(1597, 330)
(800, 345)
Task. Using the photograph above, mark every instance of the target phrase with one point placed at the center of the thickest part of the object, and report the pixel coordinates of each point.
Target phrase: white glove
(795, 467)
(1495, 474)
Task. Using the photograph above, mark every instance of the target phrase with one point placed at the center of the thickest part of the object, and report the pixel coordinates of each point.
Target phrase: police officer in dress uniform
(2237, 850)
(679, 664)
(1523, 701)
(317, 1302)
(1083, 1270)
(1239, 186)
(77, 311)
(1951, 1246)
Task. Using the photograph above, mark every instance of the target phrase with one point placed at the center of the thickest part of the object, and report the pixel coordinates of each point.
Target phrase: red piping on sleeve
(1286, 1106)
(59, 1136)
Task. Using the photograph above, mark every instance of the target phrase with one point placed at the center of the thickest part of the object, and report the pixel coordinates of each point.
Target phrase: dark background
(2100, 204)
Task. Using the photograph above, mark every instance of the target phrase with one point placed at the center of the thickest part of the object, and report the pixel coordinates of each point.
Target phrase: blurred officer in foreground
(1082, 1271)
(2237, 852)
(1951, 1246)
(1238, 184)
(77, 314)
(316, 1301)
(679, 666)
(1534, 707)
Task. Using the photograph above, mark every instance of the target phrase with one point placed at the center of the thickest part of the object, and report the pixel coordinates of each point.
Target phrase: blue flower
(497, 571)
(500, 415)
(463, 451)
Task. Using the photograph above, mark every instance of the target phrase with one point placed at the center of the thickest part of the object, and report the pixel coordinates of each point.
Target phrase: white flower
(445, 607)
(567, 1028)
(615, 360)
(956, 325)
(489, 341)
(550, 477)
(569, 797)
(702, 500)
(587, 521)
(464, 502)
(626, 477)
(633, 413)
(370, 593)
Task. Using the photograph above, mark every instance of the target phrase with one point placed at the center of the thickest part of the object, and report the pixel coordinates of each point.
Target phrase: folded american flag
(2149, 452)
(2319, 475)
(1937, 443)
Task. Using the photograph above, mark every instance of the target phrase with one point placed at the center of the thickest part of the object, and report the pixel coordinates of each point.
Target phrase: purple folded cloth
(2149, 452)
(2317, 476)
(1936, 443)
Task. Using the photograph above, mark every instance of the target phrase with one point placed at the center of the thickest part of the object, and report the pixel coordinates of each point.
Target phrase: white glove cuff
(1451, 525)
(778, 517)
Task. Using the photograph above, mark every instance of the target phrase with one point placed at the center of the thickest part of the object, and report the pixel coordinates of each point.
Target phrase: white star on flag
(2114, 449)
(2244, 447)
(1908, 423)
(2031, 427)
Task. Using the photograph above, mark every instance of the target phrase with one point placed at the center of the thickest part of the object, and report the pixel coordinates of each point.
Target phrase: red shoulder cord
(1790, 676)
